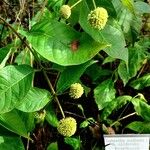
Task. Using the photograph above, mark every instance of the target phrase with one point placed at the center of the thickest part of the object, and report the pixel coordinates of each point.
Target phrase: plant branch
(94, 4)
(75, 114)
(142, 69)
(76, 4)
(53, 92)
(36, 57)
(129, 115)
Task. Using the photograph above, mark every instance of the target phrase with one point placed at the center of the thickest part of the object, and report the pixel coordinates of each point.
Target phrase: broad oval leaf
(53, 146)
(137, 56)
(142, 108)
(87, 122)
(74, 142)
(15, 82)
(23, 58)
(51, 116)
(61, 44)
(13, 122)
(70, 75)
(28, 119)
(142, 7)
(35, 100)
(129, 4)
(11, 143)
(4, 52)
(97, 73)
(104, 93)
(142, 82)
(140, 127)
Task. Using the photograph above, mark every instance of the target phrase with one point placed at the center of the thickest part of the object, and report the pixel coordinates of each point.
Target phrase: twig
(67, 112)
(94, 4)
(28, 142)
(123, 118)
(143, 67)
(53, 92)
(76, 4)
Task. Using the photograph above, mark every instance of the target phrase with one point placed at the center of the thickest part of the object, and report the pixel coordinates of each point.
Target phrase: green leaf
(96, 72)
(136, 58)
(130, 25)
(71, 75)
(86, 123)
(15, 82)
(5, 132)
(53, 40)
(129, 4)
(140, 83)
(13, 122)
(118, 6)
(4, 51)
(112, 35)
(142, 108)
(23, 58)
(35, 100)
(74, 142)
(142, 7)
(114, 105)
(104, 93)
(11, 143)
(108, 60)
(140, 127)
(51, 116)
(39, 16)
(55, 4)
(116, 39)
(53, 146)
(123, 72)
(28, 119)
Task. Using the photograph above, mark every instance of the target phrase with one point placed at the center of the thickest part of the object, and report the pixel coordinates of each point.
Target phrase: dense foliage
(71, 71)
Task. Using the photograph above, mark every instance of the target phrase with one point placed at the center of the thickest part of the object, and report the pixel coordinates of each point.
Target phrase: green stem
(123, 118)
(100, 56)
(94, 3)
(142, 69)
(36, 57)
(53, 92)
(75, 4)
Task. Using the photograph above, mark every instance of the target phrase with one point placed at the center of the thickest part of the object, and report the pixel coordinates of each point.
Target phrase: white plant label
(126, 143)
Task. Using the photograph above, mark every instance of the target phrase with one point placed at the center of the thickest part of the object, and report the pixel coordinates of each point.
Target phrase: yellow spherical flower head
(65, 11)
(76, 90)
(98, 18)
(67, 126)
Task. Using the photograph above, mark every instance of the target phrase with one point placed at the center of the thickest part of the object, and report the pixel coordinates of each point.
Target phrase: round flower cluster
(76, 90)
(67, 126)
(40, 116)
(65, 11)
(98, 18)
